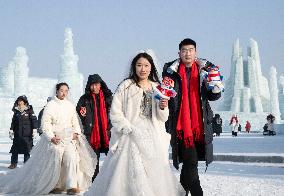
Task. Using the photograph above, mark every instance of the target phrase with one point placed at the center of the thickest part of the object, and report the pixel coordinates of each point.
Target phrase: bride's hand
(163, 103)
(127, 130)
(55, 140)
(75, 136)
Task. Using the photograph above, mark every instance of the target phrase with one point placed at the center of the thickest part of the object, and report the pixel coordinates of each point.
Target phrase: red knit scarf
(190, 124)
(95, 139)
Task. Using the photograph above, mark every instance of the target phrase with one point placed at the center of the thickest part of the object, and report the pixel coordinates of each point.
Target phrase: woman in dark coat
(217, 124)
(23, 122)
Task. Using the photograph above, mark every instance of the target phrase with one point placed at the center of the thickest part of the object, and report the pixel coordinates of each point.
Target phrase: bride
(138, 160)
(61, 160)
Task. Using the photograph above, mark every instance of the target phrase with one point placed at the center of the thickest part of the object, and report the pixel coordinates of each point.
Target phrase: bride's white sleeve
(162, 115)
(47, 123)
(117, 116)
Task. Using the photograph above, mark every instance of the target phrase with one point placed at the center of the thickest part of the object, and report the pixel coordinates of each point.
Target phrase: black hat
(95, 78)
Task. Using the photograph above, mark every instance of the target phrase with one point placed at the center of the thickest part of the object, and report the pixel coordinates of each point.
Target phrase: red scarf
(95, 139)
(190, 121)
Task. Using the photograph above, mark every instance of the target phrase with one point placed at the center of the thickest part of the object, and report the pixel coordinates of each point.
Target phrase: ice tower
(69, 68)
(246, 88)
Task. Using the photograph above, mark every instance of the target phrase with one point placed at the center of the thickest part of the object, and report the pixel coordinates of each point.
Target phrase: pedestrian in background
(248, 126)
(217, 124)
(23, 129)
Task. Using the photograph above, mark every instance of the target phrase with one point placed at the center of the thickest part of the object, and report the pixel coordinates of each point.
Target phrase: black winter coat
(88, 121)
(217, 124)
(22, 125)
(87, 101)
(204, 152)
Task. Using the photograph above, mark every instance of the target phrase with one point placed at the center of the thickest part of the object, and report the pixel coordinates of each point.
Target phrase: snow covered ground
(225, 178)
(249, 143)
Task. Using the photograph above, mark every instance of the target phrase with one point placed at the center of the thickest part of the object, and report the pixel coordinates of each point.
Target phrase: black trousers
(189, 177)
(14, 158)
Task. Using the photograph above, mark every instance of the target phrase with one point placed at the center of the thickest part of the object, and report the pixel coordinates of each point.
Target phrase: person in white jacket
(61, 160)
(137, 163)
(61, 125)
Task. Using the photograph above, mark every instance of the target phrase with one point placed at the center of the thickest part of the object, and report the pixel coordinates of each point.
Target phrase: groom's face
(187, 54)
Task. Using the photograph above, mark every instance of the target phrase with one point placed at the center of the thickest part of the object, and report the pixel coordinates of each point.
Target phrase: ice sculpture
(273, 87)
(21, 72)
(15, 81)
(247, 89)
(69, 68)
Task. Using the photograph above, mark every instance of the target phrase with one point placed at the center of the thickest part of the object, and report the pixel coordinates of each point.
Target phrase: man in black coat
(23, 128)
(93, 109)
(190, 116)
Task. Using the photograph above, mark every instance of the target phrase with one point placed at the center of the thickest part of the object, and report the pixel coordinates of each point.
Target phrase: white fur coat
(125, 110)
(59, 115)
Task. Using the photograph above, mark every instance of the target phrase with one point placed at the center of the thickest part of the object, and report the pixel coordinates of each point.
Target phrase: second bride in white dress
(137, 163)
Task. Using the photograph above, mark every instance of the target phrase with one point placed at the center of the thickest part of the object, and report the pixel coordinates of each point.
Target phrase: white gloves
(218, 88)
(11, 134)
(127, 130)
(35, 134)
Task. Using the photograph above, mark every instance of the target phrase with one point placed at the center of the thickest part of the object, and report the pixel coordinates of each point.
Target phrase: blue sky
(108, 33)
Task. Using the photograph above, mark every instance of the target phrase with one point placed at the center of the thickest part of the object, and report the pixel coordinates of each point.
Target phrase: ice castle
(15, 81)
(248, 93)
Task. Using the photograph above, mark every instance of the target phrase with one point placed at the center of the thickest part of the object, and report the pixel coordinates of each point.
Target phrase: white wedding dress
(137, 163)
(41, 173)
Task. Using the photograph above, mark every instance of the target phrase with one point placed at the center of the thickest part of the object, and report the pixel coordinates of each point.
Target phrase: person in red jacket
(248, 126)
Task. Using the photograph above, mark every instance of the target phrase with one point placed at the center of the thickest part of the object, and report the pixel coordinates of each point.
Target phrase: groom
(190, 116)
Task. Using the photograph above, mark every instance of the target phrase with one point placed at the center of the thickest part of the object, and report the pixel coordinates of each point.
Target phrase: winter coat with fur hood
(23, 123)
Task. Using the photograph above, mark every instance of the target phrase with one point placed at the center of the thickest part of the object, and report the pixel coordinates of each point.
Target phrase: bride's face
(143, 68)
(62, 92)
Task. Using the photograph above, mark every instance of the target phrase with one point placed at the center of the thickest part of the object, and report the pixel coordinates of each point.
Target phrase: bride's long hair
(153, 73)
